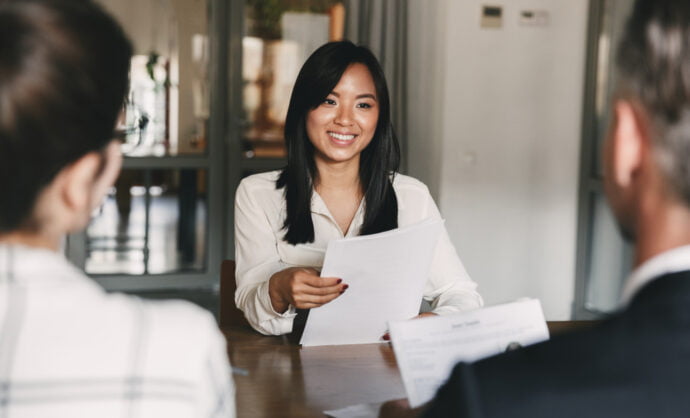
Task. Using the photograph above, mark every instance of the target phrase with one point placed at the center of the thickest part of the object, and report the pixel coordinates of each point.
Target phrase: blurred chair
(230, 316)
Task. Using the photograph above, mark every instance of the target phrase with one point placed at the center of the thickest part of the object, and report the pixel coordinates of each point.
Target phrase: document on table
(386, 274)
(426, 349)
(356, 411)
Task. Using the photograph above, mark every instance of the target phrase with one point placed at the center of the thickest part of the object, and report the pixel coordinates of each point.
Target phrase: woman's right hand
(302, 288)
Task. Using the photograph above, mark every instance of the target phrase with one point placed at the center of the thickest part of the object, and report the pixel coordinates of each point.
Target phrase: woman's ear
(109, 172)
(86, 181)
(78, 181)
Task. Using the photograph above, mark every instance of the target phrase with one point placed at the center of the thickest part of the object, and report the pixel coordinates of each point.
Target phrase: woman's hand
(302, 288)
(425, 315)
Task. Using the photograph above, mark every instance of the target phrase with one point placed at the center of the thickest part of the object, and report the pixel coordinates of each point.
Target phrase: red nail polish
(340, 281)
(345, 287)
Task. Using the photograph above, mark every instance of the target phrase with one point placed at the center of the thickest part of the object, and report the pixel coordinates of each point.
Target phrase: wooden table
(285, 380)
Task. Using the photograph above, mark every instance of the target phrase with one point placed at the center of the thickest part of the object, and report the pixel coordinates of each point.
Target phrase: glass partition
(604, 258)
(610, 260)
(153, 222)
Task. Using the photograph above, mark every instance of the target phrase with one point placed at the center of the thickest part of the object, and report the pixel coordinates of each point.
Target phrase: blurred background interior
(500, 109)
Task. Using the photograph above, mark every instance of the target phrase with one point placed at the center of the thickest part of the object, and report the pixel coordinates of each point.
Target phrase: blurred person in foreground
(68, 349)
(635, 363)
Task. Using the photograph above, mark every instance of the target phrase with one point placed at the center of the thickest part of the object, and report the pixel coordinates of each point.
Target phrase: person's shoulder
(261, 189)
(261, 181)
(535, 379)
(590, 346)
(176, 323)
(175, 335)
(403, 183)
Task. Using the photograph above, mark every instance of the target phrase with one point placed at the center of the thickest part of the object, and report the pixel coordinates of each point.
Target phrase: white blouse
(260, 250)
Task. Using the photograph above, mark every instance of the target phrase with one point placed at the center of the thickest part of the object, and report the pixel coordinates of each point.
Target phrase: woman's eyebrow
(361, 96)
(367, 96)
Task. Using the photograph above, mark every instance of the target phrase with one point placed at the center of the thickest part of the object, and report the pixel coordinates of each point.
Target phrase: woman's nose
(343, 117)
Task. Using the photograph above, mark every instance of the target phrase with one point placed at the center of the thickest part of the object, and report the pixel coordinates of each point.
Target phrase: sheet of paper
(370, 410)
(427, 349)
(386, 274)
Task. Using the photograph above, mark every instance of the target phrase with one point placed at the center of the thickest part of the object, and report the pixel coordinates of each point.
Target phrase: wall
(426, 77)
(495, 132)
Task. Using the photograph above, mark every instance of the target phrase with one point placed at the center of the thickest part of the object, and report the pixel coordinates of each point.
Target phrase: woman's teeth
(341, 137)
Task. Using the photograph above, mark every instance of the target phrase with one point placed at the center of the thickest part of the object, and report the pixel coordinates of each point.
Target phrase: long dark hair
(378, 162)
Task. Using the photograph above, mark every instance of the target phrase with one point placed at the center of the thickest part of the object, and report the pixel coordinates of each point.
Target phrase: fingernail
(340, 281)
(345, 287)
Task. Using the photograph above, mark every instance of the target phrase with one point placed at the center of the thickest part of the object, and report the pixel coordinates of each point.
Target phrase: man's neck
(661, 230)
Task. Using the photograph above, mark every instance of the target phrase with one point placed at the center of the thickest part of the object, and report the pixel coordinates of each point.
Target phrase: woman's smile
(345, 139)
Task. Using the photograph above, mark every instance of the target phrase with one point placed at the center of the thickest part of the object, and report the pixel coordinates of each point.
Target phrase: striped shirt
(68, 349)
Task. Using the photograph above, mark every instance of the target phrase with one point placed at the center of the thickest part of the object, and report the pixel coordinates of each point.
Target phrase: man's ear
(629, 142)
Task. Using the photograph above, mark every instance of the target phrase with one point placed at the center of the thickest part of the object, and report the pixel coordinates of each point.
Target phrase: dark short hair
(654, 63)
(63, 78)
(378, 162)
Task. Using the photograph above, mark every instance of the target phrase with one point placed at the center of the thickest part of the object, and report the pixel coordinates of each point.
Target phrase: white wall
(495, 132)
(427, 44)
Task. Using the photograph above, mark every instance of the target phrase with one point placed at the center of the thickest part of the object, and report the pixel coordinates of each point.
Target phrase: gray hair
(654, 64)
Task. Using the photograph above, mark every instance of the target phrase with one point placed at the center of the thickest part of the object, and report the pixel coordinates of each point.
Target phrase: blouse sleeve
(449, 288)
(257, 259)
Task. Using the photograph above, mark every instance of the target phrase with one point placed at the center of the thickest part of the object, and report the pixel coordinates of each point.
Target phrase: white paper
(386, 274)
(426, 349)
(370, 410)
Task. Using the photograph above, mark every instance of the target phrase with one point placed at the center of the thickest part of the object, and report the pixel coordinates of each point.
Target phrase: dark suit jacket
(634, 364)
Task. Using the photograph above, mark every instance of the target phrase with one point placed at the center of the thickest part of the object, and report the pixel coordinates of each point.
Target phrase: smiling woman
(341, 180)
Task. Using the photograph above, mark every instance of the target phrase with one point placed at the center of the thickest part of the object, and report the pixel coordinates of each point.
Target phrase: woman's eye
(364, 106)
(329, 102)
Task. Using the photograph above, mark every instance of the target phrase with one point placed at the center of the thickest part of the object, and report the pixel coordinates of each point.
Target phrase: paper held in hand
(426, 349)
(386, 274)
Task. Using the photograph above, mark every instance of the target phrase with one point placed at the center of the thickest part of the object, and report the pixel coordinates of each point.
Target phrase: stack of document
(386, 274)
(426, 349)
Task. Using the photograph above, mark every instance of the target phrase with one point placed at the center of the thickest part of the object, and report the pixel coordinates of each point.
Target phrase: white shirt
(260, 250)
(68, 349)
(671, 261)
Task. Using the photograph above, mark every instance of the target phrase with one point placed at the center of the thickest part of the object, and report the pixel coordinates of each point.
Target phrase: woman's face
(345, 122)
